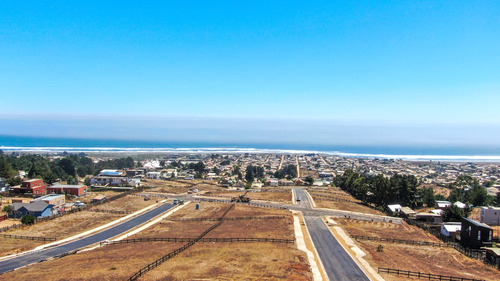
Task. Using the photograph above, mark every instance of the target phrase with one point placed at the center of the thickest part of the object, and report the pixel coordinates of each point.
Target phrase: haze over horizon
(357, 73)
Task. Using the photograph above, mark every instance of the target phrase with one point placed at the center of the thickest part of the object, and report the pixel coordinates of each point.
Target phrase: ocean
(417, 153)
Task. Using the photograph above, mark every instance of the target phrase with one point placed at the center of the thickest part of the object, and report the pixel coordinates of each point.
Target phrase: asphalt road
(11, 264)
(338, 265)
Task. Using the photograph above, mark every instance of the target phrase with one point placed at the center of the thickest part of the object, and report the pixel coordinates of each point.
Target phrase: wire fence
(427, 276)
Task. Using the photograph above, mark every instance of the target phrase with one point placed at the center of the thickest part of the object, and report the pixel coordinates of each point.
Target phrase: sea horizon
(403, 152)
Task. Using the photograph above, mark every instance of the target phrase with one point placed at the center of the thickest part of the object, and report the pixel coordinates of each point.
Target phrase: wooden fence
(109, 211)
(331, 198)
(230, 219)
(427, 276)
(170, 255)
(472, 253)
(28, 237)
(179, 240)
(400, 241)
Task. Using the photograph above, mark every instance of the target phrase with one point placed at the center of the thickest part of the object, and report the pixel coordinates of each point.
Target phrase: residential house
(442, 204)
(33, 186)
(53, 199)
(450, 229)
(429, 217)
(37, 209)
(153, 175)
(76, 190)
(490, 215)
(394, 208)
(474, 234)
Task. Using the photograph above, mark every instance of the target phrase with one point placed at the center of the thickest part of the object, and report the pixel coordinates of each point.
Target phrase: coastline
(243, 150)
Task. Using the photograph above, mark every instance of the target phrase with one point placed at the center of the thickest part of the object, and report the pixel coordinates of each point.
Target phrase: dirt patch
(266, 196)
(347, 206)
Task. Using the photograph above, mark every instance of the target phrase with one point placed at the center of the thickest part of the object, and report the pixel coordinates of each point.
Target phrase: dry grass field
(338, 193)
(88, 198)
(285, 197)
(235, 261)
(112, 262)
(435, 260)
(127, 204)
(214, 261)
(59, 228)
(182, 186)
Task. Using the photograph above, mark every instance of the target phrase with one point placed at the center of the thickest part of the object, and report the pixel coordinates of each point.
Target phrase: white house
(395, 208)
(450, 229)
(153, 175)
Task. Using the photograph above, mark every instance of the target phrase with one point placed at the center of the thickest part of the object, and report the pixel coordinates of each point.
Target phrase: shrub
(28, 219)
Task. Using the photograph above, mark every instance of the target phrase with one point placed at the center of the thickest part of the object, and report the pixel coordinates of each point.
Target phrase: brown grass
(59, 228)
(127, 203)
(266, 196)
(338, 193)
(88, 198)
(112, 262)
(435, 260)
(235, 261)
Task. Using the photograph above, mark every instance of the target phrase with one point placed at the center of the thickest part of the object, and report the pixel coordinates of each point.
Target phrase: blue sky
(427, 67)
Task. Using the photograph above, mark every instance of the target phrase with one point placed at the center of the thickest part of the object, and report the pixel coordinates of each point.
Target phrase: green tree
(86, 181)
(28, 219)
(454, 213)
(8, 209)
(428, 198)
(309, 180)
(6, 170)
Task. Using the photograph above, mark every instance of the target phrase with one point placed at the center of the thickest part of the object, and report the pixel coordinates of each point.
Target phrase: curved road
(338, 265)
(26, 259)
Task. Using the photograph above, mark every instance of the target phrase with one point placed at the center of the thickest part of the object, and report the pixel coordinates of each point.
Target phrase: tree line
(52, 170)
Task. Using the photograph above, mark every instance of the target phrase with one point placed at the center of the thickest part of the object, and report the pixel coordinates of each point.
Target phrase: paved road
(11, 264)
(339, 266)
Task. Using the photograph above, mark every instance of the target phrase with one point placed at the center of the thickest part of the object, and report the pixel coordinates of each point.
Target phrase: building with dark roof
(36, 209)
(475, 235)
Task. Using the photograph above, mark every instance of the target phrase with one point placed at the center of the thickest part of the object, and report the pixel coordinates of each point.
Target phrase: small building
(394, 208)
(428, 217)
(493, 256)
(153, 175)
(53, 199)
(99, 198)
(474, 234)
(112, 173)
(139, 173)
(450, 229)
(442, 204)
(76, 190)
(37, 209)
(407, 212)
(490, 215)
(33, 186)
(169, 173)
(460, 205)
(284, 182)
(272, 182)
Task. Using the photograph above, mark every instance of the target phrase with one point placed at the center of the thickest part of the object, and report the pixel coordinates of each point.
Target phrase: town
(430, 213)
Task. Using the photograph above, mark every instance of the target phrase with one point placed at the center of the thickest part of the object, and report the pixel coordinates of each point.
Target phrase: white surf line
(301, 245)
(80, 235)
(371, 273)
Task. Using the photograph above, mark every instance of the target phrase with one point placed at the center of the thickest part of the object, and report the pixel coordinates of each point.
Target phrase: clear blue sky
(361, 63)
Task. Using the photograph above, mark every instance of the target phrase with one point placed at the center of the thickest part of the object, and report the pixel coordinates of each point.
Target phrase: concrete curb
(301, 245)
